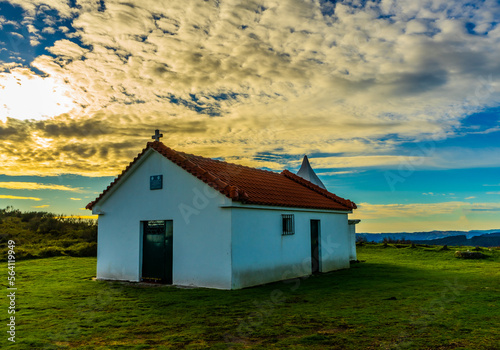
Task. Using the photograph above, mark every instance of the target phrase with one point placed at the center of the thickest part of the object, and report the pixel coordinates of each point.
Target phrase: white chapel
(177, 218)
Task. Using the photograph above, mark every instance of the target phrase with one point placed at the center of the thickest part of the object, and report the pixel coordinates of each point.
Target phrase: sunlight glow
(25, 95)
(41, 142)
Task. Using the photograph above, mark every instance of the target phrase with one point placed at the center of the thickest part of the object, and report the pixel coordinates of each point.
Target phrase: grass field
(398, 298)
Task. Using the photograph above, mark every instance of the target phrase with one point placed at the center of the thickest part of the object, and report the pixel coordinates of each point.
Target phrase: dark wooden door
(315, 246)
(157, 251)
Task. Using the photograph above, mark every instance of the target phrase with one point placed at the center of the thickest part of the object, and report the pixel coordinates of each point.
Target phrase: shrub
(48, 252)
(360, 239)
(66, 243)
(394, 240)
(23, 254)
(82, 249)
(469, 255)
(43, 234)
(400, 245)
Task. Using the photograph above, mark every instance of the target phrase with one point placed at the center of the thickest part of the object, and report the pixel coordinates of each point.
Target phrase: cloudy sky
(395, 102)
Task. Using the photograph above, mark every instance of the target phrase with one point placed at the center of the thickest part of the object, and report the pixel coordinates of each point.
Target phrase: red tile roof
(247, 185)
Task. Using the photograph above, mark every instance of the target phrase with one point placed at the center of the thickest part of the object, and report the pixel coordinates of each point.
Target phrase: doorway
(157, 249)
(315, 234)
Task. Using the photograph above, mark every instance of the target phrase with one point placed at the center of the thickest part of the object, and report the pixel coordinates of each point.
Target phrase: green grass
(399, 298)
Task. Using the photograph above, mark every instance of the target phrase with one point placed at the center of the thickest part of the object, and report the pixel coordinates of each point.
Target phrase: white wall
(335, 247)
(352, 236)
(261, 254)
(202, 230)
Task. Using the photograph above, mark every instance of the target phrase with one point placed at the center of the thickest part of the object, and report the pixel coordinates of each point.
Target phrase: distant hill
(483, 238)
(487, 240)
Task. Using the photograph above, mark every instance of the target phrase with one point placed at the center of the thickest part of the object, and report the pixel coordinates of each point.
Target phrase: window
(156, 182)
(288, 224)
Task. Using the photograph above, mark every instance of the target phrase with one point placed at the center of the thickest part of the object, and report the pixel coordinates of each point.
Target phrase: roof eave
(282, 207)
(349, 205)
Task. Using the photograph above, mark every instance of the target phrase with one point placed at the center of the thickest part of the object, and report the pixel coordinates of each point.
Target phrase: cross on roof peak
(157, 135)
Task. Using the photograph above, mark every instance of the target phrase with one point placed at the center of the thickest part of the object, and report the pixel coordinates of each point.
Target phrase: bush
(469, 255)
(48, 252)
(361, 239)
(82, 249)
(23, 254)
(43, 234)
(396, 241)
(66, 243)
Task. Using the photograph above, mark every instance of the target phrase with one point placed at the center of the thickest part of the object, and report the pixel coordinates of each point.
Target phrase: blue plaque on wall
(156, 182)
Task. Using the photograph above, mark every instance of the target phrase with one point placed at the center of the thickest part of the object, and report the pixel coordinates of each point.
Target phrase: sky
(396, 103)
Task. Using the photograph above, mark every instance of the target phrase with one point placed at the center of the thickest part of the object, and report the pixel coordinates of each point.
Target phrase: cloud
(418, 210)
(493, 192)
(439, 194)
(334, 173)
(19, 197)
(461, 157)
(39, 17)
(357, 161)
(35, 7)
(487, 209)
(418, 217)
(235, 80)
(37, 186)
(41, 206)
(65, 49)
(17, 35)
(75, 199)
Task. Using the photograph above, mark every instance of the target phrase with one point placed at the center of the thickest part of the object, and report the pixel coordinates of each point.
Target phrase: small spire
(306, 172)
(157, 135)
